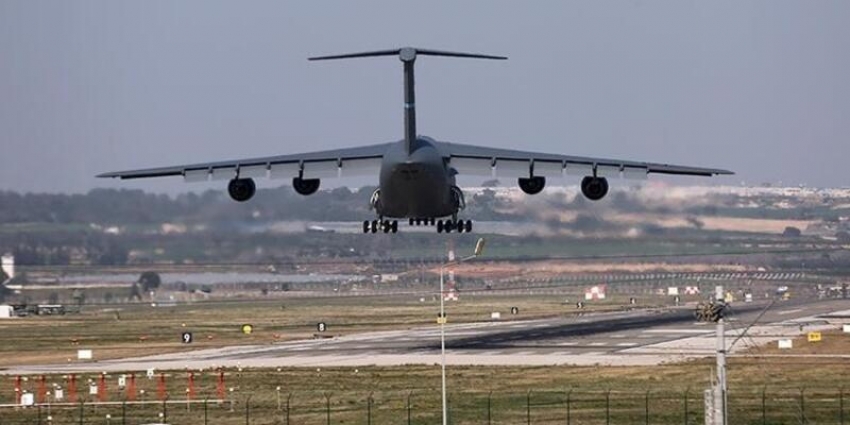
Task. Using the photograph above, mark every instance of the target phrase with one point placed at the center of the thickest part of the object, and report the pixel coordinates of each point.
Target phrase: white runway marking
(675, 331)
(782, 313)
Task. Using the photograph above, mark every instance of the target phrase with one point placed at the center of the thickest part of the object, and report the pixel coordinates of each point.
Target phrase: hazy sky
(762, 88)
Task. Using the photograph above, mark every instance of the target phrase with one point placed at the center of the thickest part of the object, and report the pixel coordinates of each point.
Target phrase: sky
(760, 88)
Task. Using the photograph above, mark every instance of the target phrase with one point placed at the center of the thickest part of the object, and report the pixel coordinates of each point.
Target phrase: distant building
(6, 311)
(8, 264)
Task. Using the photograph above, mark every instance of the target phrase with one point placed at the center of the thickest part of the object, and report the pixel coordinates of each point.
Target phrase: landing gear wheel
(468, 226)
(439, 226)
(394, 226)
(366, 226)
(374, 226)
(460, 226)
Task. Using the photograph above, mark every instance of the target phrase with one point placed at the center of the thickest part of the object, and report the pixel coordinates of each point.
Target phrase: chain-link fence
(755, 406)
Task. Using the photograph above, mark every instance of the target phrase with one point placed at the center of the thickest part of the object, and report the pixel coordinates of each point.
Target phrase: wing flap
(573, 164)
(318, 164)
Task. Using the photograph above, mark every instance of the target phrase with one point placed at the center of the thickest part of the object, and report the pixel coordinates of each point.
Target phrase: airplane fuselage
(416, 184)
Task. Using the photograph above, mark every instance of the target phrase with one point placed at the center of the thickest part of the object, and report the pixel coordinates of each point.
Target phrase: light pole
(479, 248)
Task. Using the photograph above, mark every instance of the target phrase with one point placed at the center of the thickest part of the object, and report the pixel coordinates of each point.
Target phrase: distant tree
(843, 237)
(135, 292)
(53, 298)
(792, 232)
(107, 297)
(149, 281)
(4, 292)
(79, 297)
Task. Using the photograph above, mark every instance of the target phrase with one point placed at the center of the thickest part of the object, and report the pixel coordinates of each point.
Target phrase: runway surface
(643, 337)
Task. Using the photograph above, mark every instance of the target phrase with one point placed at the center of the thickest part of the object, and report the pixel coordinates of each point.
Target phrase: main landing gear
(443, 226)
(386, 226)
(447, 226)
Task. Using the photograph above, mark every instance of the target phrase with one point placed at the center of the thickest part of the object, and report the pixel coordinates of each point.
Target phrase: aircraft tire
(460, 226)
(468, 226)
(394, 226)
(439, 226)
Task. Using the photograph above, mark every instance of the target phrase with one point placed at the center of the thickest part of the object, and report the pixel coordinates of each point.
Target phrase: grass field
(788, 389)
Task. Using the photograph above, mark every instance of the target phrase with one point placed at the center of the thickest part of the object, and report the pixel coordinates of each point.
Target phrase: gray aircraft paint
(416, 177)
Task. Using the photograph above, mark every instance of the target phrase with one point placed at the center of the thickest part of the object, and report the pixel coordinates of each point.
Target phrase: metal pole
(841, 406)
(165, 410)
(528, 407)
(408, 409)
(205, 410)
(802, 406)
(443, 340)
(720, 390)
(646, 405)
(608, 407)
(687, 390)
(569, 394)
(124, 412)
(82, 403)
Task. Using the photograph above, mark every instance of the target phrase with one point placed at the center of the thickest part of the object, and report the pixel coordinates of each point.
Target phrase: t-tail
(408, 57)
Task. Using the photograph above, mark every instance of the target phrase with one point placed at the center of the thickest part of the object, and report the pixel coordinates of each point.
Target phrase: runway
(641, 337)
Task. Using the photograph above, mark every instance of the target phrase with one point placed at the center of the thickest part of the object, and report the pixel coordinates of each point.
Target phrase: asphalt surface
(640, 337)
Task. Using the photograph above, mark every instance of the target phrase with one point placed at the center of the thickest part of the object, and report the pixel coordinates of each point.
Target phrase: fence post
(489, 407)
(328, 407)
(124, 412)
(82, 405)
(408, 408)
(165, 409)
(39, 414)
(764, 405)
(528, 407)
(646, 405)
(288, 399)
(841, 406)
(802, 406)
(687, 391)
(248, 410)
(608, 407)
(205, 410)
(369, 409)
(569, 394)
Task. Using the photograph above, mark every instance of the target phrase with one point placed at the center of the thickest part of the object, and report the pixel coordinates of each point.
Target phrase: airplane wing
(484, 161)
(362, 160)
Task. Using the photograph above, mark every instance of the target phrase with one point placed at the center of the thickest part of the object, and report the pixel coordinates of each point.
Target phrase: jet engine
(305, 186)
(594, 188)
(532, 185)
(241, 190)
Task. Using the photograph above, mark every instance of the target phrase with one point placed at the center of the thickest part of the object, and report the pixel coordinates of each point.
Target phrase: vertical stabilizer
(408, 57)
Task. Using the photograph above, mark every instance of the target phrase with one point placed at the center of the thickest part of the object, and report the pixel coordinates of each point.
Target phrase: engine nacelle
(532, 185)
(305, 186)
(241, 190)
(594, 188)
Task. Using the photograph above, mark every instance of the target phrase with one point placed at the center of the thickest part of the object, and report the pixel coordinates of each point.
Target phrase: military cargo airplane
(417, 175)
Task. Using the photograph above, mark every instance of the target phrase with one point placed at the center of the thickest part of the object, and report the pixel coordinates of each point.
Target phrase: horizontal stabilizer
(407, 54)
